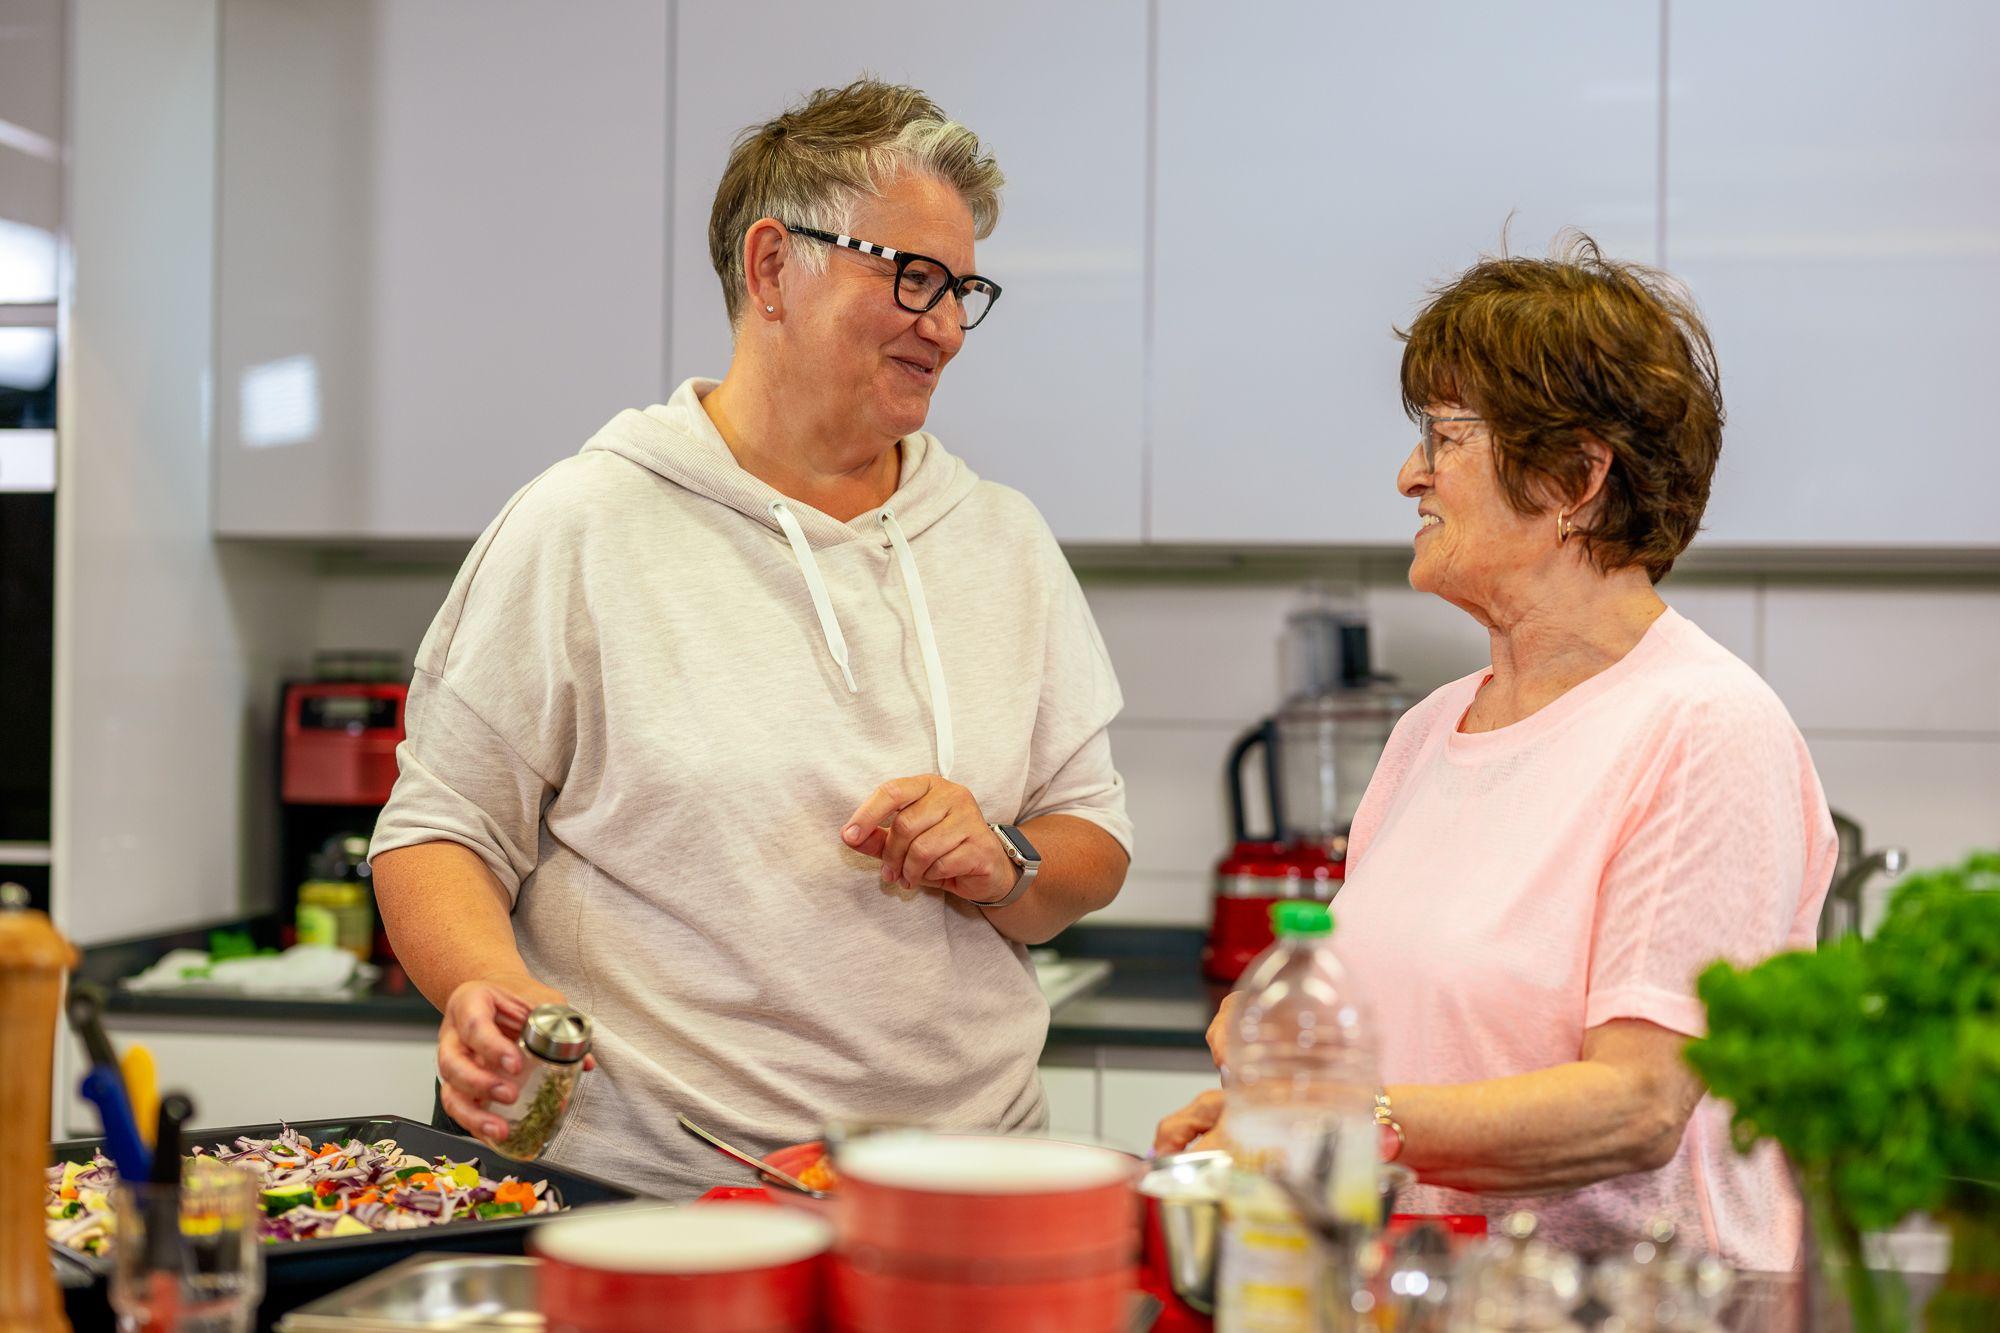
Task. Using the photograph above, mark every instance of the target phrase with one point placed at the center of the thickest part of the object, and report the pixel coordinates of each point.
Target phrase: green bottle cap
(1294, 917)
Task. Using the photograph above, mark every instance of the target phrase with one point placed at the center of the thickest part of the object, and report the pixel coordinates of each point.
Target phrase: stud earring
(770, 310)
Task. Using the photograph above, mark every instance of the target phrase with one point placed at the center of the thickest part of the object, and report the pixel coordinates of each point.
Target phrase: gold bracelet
(1385, 1116)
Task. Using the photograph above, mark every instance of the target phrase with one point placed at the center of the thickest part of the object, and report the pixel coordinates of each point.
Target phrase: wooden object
(33, 958)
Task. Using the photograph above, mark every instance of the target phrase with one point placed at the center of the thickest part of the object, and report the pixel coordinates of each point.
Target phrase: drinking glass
(186, 1257)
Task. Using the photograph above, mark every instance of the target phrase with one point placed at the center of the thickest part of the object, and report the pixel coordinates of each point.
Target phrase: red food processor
(1259, 870)
(1317, 754)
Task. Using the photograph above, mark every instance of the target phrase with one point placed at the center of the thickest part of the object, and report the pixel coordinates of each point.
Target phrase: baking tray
(334, 1260)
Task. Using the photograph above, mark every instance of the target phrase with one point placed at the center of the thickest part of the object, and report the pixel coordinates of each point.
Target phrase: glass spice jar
(554, 1041)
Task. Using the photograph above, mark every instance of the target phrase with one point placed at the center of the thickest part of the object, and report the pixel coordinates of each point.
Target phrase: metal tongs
(763, 1168)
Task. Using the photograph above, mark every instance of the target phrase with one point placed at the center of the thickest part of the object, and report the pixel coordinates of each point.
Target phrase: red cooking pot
(720, 1268)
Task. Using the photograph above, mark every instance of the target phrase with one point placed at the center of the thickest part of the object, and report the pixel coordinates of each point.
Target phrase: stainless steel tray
(430, 1291)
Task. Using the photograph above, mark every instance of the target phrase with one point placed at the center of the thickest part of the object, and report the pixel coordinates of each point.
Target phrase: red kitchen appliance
(1260, 870)
(340, 740)
(1317, 755)
(337, 739)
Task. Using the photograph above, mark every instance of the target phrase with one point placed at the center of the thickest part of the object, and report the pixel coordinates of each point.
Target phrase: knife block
(33, 958)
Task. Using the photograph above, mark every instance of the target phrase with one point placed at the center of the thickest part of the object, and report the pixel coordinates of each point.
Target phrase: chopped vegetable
(309, 1192)
(820, 1175)
(517, 1192)
(284, 1198)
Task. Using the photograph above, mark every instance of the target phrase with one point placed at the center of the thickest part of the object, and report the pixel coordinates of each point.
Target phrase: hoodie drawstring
(829, 623)
(947, 746)
(836, 642)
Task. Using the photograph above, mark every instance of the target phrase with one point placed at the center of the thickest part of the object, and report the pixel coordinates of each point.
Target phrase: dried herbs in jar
(554, 1042)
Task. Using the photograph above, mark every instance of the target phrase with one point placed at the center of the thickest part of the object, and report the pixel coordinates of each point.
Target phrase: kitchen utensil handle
(85, 1010)
(762, 1168)
(142, 1089)
(103, 1089)
(175, 1111)
(163, 1211)
(1264, 735)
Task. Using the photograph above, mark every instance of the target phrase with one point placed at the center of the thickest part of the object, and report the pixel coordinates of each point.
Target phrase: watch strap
(1026, 868)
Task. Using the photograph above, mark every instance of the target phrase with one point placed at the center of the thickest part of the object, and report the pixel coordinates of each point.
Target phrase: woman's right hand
(479, 1056)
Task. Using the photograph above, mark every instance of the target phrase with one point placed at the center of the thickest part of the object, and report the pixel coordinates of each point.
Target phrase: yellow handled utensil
(142, 1088)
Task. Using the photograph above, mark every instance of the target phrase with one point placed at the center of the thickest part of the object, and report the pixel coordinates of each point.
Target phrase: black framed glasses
(921, 282)
(1428, 424)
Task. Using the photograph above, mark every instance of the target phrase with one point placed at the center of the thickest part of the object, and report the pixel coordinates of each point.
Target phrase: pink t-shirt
(1508, 890)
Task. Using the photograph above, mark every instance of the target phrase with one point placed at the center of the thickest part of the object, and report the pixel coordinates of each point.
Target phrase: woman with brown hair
(1552, 847)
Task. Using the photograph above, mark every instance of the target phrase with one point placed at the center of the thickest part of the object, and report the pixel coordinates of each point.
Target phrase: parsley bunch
(1875, 1063)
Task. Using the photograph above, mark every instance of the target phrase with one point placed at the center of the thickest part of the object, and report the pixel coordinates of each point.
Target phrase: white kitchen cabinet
(1046, 395)
(1072, 1094)
(1319, 167)
(256, 1073)
(1833, 198)
(441, 253)
(1135, 1091)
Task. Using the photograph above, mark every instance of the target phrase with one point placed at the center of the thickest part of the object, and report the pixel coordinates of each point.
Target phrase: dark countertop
(1155, 995)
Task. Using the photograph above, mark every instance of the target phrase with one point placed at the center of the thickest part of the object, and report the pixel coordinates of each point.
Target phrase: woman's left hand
(929, 833)
(1191, 1127)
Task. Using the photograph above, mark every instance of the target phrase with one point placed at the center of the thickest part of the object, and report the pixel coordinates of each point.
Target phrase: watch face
(1021, 843)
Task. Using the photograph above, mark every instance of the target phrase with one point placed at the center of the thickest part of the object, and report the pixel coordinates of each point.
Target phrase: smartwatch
(1027, 862)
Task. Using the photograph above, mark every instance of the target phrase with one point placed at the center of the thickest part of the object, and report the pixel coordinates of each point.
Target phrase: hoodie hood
(677, 440)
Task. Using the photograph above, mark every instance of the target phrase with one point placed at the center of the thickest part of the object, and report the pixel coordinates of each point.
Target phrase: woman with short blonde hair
(762, 730)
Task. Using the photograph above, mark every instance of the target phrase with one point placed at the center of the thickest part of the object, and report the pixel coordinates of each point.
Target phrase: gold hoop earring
(1563, 527)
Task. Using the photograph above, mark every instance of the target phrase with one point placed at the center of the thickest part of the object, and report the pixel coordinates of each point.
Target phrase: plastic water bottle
(1300, 1088)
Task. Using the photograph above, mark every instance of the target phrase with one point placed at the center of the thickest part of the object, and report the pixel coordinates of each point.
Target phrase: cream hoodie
(657, 689)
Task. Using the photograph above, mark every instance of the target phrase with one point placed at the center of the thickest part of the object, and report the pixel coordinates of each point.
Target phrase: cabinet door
(1319, 167)
(442, 254)
(1834, 201)
(1072, 1094)
(1046, 395)
(1132, 1102)
(262, 1074)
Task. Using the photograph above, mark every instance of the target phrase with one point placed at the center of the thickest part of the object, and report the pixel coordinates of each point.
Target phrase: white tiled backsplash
(1896, 686)
(1895, 683)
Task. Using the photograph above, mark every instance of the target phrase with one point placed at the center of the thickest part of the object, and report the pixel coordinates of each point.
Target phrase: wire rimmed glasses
(1427, 426)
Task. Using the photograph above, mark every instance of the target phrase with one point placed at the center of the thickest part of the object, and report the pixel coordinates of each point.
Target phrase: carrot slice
(516, 1192)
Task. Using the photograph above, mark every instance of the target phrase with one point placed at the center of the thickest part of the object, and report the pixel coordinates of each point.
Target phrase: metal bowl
(1184, 1192)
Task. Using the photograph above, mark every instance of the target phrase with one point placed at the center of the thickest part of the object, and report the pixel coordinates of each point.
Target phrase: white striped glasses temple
(921, 282)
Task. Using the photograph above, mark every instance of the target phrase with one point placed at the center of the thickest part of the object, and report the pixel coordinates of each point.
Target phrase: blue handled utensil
(104, 1086)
